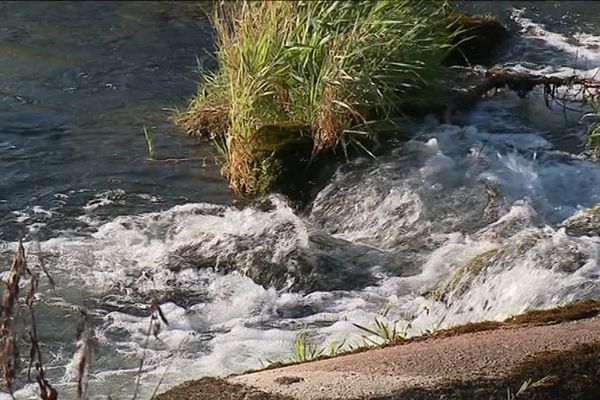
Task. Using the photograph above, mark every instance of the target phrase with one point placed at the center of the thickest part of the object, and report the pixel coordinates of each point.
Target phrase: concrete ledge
(473, 365)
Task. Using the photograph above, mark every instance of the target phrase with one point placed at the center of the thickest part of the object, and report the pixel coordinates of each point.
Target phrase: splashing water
(433, 226)
(462, 223)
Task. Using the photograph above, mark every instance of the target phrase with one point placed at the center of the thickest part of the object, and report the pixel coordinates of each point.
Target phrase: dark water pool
(78, 81)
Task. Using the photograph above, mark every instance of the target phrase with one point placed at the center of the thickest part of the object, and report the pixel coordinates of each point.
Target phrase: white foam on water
(582, 48)
(223, 322)
(458, 225)
(30, 213)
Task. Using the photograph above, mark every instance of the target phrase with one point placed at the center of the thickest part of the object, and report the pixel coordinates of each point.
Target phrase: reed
(333, 66)
(593, 136)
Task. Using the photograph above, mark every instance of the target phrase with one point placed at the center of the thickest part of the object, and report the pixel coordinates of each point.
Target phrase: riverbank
(560, 346)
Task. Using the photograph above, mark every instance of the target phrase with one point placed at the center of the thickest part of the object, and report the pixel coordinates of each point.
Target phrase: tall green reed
(334, 66)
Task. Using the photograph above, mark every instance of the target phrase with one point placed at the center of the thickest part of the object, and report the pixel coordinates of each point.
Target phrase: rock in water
(584, 223)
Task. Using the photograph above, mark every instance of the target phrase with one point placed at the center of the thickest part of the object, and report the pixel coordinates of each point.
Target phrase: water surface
(78, 82)
(460, 224)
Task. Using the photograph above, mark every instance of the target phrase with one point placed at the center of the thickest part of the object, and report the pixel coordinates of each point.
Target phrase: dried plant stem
(156, 315)
(8, 347)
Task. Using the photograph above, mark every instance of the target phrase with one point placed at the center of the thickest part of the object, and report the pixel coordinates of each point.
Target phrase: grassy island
(309, 77)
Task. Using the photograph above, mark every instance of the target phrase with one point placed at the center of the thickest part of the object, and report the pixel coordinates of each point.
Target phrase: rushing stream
(463, 223)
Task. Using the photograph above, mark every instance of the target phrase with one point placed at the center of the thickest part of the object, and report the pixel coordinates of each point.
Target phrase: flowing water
(463, 223)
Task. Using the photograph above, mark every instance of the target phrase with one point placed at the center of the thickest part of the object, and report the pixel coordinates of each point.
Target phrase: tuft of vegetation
(325, 71)
(385, 333)
(529, 384)
(593, 135)
(304, 347)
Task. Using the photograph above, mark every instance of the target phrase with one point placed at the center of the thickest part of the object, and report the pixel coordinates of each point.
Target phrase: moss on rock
(584, 223)
(283, 157)
(463, 277)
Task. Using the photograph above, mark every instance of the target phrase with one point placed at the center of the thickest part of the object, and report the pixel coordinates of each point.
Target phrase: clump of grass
(334, 66)
(593, 136)
(385, 333)
(529, 384)
(304, 347)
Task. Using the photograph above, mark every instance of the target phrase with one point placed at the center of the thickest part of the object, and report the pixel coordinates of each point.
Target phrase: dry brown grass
(13, 305)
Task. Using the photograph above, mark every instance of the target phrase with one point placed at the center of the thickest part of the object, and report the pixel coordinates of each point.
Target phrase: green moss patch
(587, 309)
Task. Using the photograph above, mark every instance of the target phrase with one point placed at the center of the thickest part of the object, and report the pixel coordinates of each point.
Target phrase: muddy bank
(560, 345)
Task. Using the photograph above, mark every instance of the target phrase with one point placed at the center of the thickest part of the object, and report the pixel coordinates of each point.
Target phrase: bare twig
(164, 374)
(153, 329)
(168, 160)
(86, 341)
(8, 346)
(578, 89)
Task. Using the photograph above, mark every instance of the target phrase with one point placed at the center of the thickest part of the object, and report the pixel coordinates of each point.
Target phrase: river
(460, 224)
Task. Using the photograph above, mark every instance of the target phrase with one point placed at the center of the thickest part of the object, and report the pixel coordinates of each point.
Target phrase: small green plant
(528, 384)
(335, 348)
(149, 144)
(304, 347)
(386, 333)
(593, 136)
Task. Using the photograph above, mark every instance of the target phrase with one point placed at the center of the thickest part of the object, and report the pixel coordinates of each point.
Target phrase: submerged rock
(463, 277)
(326, 264)
(479, 37)
(584, 223)
(533, 248)
(277, 249)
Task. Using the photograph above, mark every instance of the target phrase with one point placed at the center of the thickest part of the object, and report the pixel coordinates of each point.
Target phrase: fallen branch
(168, 160)
(478, 84)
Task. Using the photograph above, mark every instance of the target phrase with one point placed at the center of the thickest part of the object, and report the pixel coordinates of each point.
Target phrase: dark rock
(478, 39)
(285, 151)
(288, 380)
(322, 264)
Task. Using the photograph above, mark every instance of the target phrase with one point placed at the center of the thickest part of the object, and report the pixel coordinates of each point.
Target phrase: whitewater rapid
(460, 224)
